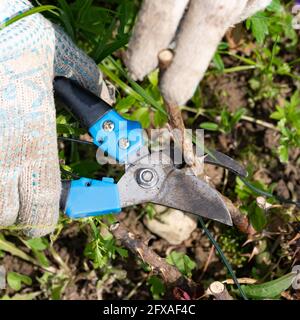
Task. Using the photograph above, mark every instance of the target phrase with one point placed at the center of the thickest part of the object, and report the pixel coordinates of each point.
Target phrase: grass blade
(13, 250)
(28, 13)
(137, 88)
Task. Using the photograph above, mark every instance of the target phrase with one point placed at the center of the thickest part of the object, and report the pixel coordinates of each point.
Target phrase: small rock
(2, 277)
(172, 225)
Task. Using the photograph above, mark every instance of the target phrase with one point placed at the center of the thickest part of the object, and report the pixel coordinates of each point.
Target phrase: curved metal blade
(191, 194)
(222, 160)
(174, 188)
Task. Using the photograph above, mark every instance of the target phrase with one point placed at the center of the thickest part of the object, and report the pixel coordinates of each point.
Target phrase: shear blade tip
(225, 218)
(228, 222)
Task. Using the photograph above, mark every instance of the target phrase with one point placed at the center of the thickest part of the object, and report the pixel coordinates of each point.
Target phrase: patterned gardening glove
(202, 23)
(32, 52)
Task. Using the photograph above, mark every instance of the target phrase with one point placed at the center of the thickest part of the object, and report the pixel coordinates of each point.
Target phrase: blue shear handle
(90, 198)
(115, 135)
(123, 137)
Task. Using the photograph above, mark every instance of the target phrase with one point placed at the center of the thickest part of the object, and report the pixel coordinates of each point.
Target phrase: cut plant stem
(219, 291)
(165, 58)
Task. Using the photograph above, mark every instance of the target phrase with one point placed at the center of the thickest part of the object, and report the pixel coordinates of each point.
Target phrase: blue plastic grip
(123, 129)
(90, 198)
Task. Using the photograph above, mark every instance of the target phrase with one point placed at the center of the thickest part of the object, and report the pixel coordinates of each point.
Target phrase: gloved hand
(32, 52)
(197, 26)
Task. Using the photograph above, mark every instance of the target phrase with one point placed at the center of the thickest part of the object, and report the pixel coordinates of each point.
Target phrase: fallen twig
(241, 281)
(170, 274)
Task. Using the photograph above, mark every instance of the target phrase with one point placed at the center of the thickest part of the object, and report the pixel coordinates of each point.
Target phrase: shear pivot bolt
(124, 143)
(147, 178)
(108, 126)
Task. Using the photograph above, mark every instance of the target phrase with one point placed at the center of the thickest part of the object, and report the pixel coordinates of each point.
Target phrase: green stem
(243, 59)
(192, 110)
(238, 68)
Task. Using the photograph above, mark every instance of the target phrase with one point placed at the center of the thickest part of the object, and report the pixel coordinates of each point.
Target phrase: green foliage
(288, 123)
(257, 215)
(157, 287)
(16, 280)
(231, 243)
(99, 30)
(271, 289)
(53, 285)
(10, 247)
(259, 26)
(227, 121)
(145, 103)
(102, 248)
(38, 246)
(247, 194)
(184, 264)
(211, 126)
(149, 210)
(269, 66)
(276, 20)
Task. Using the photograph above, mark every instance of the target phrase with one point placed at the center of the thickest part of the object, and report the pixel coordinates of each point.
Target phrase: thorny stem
(170, 274)
(176, 122)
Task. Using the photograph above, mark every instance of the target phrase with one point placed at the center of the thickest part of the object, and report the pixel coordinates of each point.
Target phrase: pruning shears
(149, 177)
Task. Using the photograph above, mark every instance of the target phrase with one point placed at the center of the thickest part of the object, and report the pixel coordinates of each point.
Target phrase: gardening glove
(197, 26)
(32, 52)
